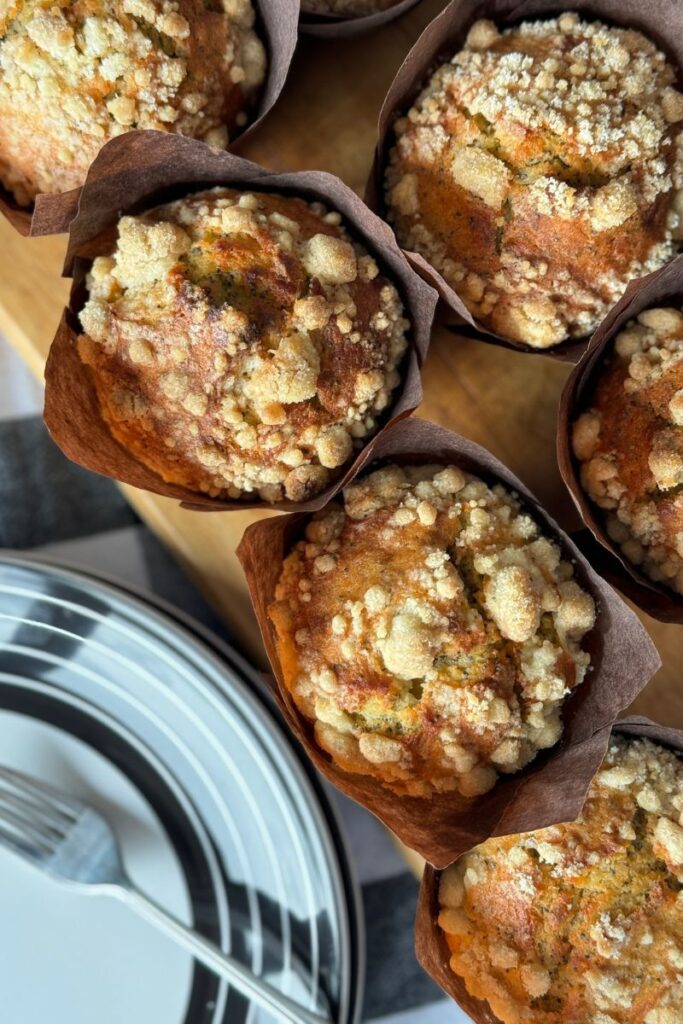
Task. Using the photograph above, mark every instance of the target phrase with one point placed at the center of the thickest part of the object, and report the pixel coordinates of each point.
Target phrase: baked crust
(539, 171)
(76, 73)
(242, 344)
(630, 444)
(430, 631)
(580, 923)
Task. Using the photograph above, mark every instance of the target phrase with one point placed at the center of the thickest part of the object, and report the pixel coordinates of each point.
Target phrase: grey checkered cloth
(50, 505)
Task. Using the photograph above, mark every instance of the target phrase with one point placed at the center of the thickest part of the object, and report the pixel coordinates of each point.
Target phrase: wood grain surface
(504, 400)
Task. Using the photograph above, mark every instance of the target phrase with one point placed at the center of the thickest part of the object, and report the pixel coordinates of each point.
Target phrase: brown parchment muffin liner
(553, 787)
(143, 169)
(661, 20)
(48, 215)
(431, 947)
(663, 287)
(329, 26)
(277, 23)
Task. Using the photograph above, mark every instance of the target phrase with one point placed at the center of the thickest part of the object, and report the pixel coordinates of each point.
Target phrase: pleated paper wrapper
(431, 947)
(328, 26)
(663, 288)
(51, 213)
(553, 787)
(660, 20)
(138, 171)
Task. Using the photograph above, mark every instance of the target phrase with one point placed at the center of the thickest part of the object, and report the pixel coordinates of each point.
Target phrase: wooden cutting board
(504, 400)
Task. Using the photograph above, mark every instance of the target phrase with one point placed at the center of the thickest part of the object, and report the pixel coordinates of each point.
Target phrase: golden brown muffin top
(630, 444)
(580, 923)
(76, 73)
(430, 630)
(242, 343)
(540, 170)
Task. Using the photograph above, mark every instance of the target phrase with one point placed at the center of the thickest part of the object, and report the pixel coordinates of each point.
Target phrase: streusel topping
(74, 75)
(242, 343)
(430, 631)
(540, 170)
(580, 923)
(630, 444)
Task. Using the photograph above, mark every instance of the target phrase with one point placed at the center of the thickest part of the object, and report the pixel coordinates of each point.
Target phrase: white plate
(220, 818)
(98, 954)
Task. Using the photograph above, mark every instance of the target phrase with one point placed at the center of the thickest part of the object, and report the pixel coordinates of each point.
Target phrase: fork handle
(220, 963)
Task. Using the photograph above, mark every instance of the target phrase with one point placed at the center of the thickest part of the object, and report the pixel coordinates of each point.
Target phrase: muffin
(74, 75)
(346, 8)
(539, 171)
(242, 344)
(429, 631)
(580, 923)
(630, 444)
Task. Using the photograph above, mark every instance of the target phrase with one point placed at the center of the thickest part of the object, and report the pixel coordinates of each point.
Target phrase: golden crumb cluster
(630, 444)
(580, 923)
(430, 631)
(242, 344)
(346, 8)
(76, 73)
(540, 170)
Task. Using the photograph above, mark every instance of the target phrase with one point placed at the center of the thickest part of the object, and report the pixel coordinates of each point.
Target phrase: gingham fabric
(49, 505)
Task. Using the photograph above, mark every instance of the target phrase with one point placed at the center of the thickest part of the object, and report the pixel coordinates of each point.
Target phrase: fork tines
(33, 817)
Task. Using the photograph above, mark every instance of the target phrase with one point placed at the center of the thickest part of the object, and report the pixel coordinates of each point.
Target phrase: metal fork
(70, 841)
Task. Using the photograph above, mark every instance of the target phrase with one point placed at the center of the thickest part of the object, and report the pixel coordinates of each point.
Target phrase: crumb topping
(630, 444)
(581, 922)
(242, 343)
(75, 75)
(540, 170)
(430, 631)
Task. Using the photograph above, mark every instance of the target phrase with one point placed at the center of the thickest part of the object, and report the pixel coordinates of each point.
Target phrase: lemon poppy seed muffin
(580, 923)
(76, 73)
(430, 631)
(630, 444)
(540, 170)
(242, 344)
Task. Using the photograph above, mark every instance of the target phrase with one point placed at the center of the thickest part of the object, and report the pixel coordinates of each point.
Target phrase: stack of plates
(220, 818)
